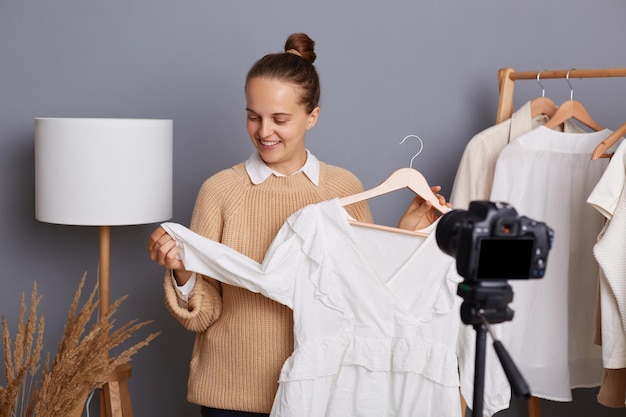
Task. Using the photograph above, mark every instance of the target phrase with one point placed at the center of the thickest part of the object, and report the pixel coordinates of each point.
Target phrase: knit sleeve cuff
(203, 308)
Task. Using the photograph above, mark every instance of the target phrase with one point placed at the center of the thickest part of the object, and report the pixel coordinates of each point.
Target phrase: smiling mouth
(268, 144)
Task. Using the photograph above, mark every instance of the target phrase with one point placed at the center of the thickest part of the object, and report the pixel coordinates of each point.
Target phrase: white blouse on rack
(547, 176)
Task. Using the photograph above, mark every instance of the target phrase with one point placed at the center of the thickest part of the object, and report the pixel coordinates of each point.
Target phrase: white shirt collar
(259, 171)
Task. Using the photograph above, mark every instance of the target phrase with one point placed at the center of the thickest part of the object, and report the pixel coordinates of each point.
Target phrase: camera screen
(504, 258)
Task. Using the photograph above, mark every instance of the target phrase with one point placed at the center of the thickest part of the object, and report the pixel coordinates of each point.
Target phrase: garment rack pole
(506, 82)
(508, 76)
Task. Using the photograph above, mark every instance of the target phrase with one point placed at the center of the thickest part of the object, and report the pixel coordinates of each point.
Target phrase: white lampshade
(96, 172)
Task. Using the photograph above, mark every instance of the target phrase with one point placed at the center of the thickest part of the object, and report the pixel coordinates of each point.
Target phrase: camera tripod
(486, 303)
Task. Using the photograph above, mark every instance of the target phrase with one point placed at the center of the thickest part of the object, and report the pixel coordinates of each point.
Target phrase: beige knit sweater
(243, 338)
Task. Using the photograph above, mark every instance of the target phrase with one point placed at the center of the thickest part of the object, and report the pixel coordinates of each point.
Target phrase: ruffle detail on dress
(436, 362)
(302, 223)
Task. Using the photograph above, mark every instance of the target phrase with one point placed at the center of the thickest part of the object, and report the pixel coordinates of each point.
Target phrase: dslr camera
(491, 242)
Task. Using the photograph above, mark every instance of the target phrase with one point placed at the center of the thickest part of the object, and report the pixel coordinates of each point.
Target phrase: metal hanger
(420, 149)
(542, 105)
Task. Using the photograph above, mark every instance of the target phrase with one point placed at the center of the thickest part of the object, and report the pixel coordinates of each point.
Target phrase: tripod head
(485, 300)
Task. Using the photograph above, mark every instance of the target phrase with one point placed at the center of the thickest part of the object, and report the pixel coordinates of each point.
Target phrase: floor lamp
(104, 172)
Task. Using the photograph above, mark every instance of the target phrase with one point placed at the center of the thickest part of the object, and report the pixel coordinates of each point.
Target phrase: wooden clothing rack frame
(508, 76)
(506, 82)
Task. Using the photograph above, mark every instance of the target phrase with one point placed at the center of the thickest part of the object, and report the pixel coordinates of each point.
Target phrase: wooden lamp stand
(114, 396)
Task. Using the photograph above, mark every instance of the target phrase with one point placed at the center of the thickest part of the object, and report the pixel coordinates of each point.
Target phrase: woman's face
(277, 123)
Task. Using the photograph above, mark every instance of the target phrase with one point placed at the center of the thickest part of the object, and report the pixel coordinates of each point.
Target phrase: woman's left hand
(421, 213)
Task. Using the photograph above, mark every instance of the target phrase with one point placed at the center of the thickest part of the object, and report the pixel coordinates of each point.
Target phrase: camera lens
(447, 231)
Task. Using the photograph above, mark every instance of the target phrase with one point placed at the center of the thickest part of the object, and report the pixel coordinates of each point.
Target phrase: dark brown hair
(294, 67)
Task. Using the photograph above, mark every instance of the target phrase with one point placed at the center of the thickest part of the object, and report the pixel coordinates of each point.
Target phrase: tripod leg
(479, 370)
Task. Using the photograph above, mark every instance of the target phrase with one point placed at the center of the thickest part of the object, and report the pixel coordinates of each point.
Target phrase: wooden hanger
(600, 150)
(542, 105)
(400, 179)
(572, 109)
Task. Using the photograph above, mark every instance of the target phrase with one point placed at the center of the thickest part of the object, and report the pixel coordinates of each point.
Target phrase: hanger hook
(543, 90)
(571, 89)
(418, 152)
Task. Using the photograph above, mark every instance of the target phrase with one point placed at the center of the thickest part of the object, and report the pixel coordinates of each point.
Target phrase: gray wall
(389, 69)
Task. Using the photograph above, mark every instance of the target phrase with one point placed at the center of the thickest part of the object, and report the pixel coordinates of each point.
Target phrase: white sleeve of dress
(274, 278)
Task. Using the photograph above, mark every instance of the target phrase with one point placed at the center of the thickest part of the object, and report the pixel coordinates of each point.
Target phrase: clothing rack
(508, 76)
(506, 82)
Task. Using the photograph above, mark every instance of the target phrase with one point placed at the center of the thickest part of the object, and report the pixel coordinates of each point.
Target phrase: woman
(243, 338)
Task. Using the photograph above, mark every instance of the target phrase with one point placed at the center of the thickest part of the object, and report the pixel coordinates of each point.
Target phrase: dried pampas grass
(83, 360)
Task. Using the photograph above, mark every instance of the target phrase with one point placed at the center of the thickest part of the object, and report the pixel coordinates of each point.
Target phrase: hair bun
(302, 45)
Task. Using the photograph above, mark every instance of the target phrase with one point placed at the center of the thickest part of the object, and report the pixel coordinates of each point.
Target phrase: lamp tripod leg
(114, 396)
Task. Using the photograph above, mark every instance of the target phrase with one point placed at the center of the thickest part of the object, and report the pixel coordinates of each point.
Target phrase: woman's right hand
(421, 213)
(163, 250)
